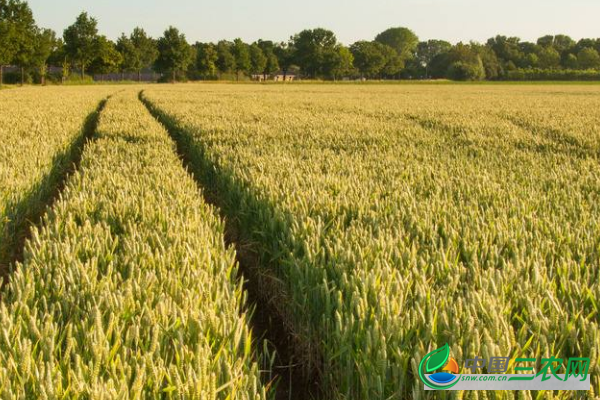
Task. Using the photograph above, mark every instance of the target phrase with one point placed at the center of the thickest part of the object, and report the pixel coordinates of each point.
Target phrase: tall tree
(312, 48)
(241, 54)
(591, 43)
(369, 58)
(128, 53)
(145, 50)
(571, 61)
(285, 53)
(464, 63)
(138, 50)
(45, 45)
(258, 60)
(563, 43)
(272, 65)
(548, 57)
(339, 63)
(81, 40)
(174, 53)
(7, 47)
(403, 40)
(529, 58)
(107, 58)
(559, 42)
(206, 59)
(18, 27)
(393, 62)
(588, 58)
(491, 64)
(509, 50)
(427, 51)
(225, 59)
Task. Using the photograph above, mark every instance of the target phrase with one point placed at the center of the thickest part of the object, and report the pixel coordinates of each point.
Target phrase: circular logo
(435, 360)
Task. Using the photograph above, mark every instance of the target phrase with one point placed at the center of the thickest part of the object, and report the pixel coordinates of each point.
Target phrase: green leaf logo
(432, 361)
(437, 358)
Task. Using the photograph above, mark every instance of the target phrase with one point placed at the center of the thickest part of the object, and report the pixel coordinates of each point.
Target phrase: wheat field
(387, 220)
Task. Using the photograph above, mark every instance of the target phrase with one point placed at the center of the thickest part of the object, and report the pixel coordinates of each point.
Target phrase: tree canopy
(403, 40)
(81, 41)
(312, 53)
(174, 53)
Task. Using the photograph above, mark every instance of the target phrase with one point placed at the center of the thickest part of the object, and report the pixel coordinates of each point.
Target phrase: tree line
(395, 53)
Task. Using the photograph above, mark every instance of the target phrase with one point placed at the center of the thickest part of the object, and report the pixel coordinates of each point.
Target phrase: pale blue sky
(351, 20)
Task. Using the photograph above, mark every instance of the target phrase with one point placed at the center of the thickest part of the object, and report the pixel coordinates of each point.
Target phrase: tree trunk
(173, 76)
(82, 71)
(139, 75)
(1, 75)
(22, 76)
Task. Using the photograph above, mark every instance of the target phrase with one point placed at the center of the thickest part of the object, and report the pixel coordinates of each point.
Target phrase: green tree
(225, 59)
(546, 41)
(588, 58)
(531, 60)
(394, 64)
(258, 60)
(145, 51)
(107, 58)
(7, 44)
(461, 71)
(403, 40)
(427, 51)
(128, 53)
(369, 58)
(286, 54)
(563, 43)
(45, 45)
(314, 48)
(491, 64)
(583, 43)
(571, 61)
(272, 64)
(268, 48)
(81, 40)
(465, 63)
(138, 51)
(18, 31)
(560, 43)
(339, 63)
(507, 50)
(206, 59)
(174, 53)
(548, 58)
(241, 54)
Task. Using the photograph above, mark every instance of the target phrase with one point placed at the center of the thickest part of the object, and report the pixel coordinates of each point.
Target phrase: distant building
(279, 76)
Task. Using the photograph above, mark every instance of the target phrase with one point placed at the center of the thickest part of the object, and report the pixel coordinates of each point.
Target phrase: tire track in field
(560, 139)
(554, 141)
(293, 381)
(16, 232)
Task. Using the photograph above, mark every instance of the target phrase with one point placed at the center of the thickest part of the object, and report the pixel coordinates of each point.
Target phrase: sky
(351, 20)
